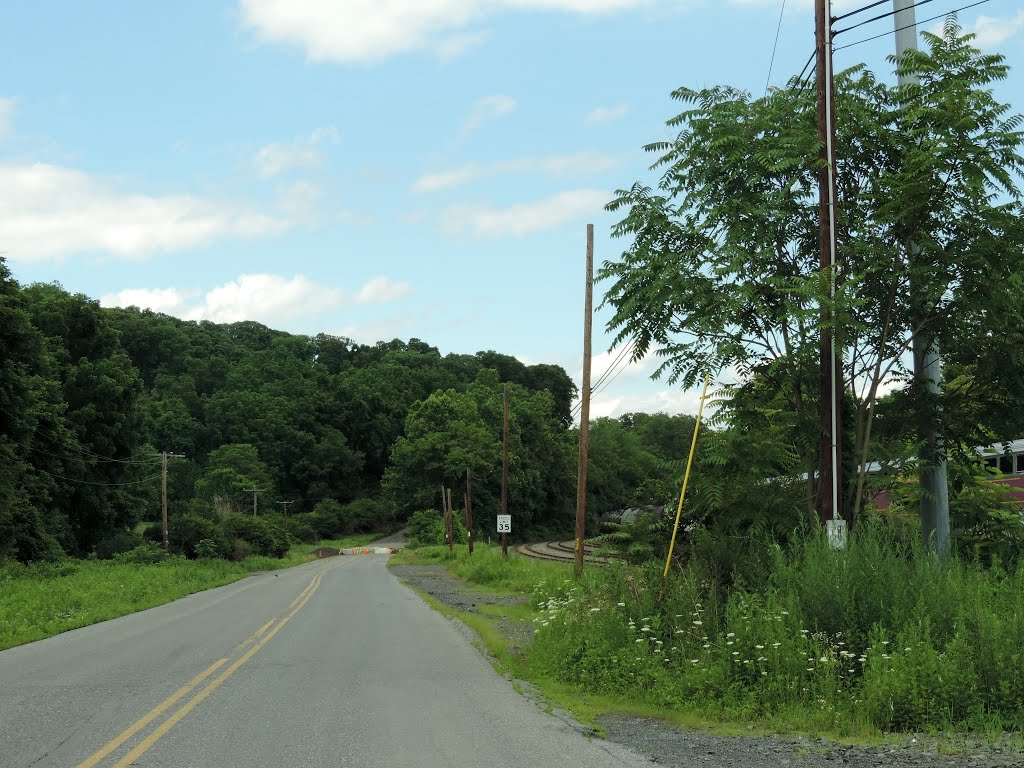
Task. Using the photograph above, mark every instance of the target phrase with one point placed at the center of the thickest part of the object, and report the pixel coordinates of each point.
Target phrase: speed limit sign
(504, 523)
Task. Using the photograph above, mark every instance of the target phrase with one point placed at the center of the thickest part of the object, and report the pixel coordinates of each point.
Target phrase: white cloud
(432, 182)
(606, 114)
(169, 301)
(269, 299)
(452, 47)
(6, 109)
(382, 290)
(383, 329)
(50, 212)
(371, 30)
(670, 401)
(487, 108)
(559, 165)
(525, 218)
(989, 31)
(303, 152)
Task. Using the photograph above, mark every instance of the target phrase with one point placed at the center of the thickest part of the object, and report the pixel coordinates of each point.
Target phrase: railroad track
(560, 551)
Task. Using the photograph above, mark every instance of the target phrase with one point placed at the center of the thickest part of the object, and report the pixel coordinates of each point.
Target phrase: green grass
(46, 599)
(486, 568)
(856, 646)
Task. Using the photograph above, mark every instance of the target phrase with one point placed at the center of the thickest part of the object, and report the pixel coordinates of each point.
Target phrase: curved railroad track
(560, 551)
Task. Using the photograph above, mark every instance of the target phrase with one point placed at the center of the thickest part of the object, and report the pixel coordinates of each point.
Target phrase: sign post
(504, 528)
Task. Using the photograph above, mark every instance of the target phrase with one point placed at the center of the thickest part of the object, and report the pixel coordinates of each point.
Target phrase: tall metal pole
(927, 363)
(581, 476)
(504, 469)
(829, 498)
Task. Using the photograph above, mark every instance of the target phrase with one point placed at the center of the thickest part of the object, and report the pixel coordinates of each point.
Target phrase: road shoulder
(504, 632)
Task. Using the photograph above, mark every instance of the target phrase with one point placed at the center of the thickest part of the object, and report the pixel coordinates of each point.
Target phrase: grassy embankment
(876, 639)
(45, 599)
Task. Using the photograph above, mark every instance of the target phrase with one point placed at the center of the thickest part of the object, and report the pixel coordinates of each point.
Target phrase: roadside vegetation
(44, 599)
(879, 637)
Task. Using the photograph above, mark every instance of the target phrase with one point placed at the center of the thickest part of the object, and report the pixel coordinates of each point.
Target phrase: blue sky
(411, 168)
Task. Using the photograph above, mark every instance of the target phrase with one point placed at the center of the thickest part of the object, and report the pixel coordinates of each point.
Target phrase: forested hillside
(89, 398)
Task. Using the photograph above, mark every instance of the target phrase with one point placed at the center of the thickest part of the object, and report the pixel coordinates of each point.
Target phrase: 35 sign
(504, 523)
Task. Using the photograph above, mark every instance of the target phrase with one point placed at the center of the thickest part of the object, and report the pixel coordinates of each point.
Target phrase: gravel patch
(669, 745)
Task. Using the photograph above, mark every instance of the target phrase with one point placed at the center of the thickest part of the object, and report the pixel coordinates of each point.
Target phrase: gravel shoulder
(670, 745)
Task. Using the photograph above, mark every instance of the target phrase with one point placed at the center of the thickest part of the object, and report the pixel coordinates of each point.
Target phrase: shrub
(207, 549)
(240, 550)
(264, 536)
(122, 541)
(426, 528)
(299, 528)
(186, 531)
(144, 554)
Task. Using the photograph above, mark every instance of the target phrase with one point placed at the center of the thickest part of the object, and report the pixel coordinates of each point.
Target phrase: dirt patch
(436, 581)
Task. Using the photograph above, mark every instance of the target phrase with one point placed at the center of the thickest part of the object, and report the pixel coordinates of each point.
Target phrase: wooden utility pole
(285, 505)
(255, 497)
(830, 502)
(469, 511)
(504, 469)
(163, 496)
(581, 475)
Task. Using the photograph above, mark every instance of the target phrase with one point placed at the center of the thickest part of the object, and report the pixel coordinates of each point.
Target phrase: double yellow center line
(258, 639)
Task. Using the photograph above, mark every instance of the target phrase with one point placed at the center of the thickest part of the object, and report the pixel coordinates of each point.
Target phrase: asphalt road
(331, 663)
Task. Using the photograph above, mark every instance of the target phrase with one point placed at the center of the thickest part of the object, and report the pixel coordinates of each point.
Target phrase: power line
(806, 65)
(775, 47)
(859, 10)
(60, 441)
(878, 18)
(90, 482)
(610, 371)
(64, 456)
(908, 26)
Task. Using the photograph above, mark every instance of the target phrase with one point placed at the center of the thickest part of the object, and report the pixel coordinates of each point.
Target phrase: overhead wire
(92, 482)
(60, 441)
(885, 15)
(775, 47)
(908, 26)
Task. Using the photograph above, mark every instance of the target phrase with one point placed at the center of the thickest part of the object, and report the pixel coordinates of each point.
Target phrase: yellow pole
(686, 477)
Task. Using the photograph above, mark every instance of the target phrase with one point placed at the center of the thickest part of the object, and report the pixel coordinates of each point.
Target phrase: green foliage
(44, 599)
(264, 535)
(451, 431)
(721, 271)
(123, 541)
(640, 540)
(144, 554)
(426, 528)
(882, 634)
(186, 531)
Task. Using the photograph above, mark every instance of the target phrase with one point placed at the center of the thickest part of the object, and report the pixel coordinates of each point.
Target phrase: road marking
(192, 703)
(165, 705)
(149, 717)
(255, 634)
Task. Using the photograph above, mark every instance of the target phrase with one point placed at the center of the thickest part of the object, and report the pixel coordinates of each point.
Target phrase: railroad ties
(560, 551)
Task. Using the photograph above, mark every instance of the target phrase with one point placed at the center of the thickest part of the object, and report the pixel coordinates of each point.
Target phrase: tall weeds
(881, 635)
